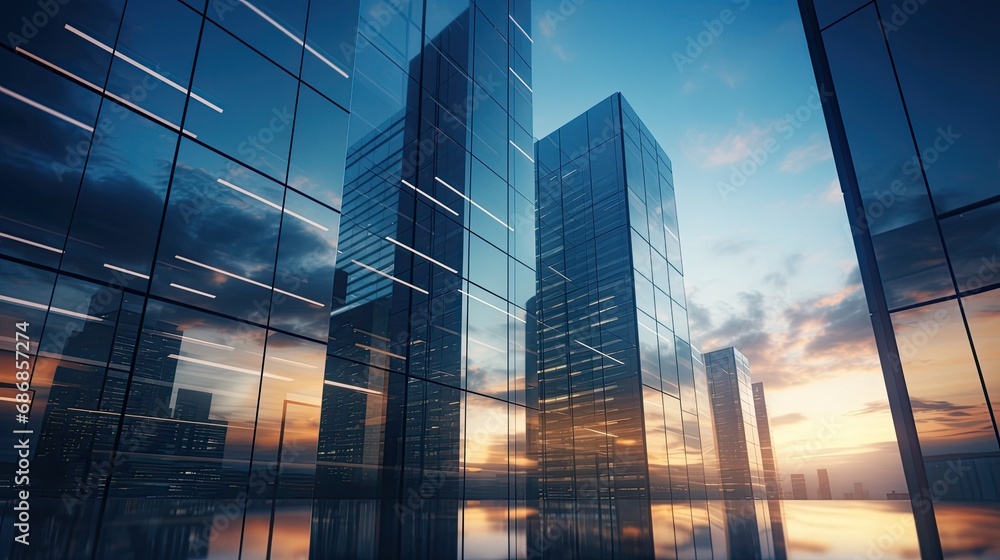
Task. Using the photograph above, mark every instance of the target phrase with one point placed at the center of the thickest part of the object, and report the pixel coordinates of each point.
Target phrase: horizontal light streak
(67, 312)
(665, 339)
(602, 433)
(243, 191)
(371, 334)
(227, 367)
(521, 28)
(58, 310)
(416, 252)
(274, 205)
(351, 387)
(599, 352)
(436, 201)
(473, 202)
(187, 338)
(292, 36)
(561, 274)
(379, 351)
(524, 153)
(126, 271)
(518, 76)
(389, 276)
(46, 109)
(192, 290)
(463, 292)
(298, 297)
(143, 67)
(481, 343)
(160, 419)
(306, 220)
(222, 272)
(106, 93)
(293, 362)
(28, 242)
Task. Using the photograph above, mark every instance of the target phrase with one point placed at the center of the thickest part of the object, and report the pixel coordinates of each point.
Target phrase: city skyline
(302, 279)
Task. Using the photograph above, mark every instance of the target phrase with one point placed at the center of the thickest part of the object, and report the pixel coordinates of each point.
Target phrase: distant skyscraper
(860, 493)
(897, 496)
(825, 493)
(740, 463)
(772, 479)
(799, 491)
(910, 106)
(620, 405)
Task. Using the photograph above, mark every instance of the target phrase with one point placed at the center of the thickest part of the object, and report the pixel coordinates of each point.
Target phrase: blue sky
(769, 265)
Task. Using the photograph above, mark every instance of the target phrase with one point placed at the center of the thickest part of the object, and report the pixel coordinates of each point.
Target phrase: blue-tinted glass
(394, 29)
(326, 64)
(256, 100)
(487, 266)
(912, 264)
(876, 126)
(153, 59)
(273, 27)
(125, 185)
(305, 270)
(220, 235)
(934, 46)
(67, 37)
(829, 11)
(43, 157)
(973, 242)
(317, 166)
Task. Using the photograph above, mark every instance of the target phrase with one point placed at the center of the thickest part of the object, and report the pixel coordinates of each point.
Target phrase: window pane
(219, 236)
(944, 386)
(306, 268)
(257, 100)
(983, 313)
(124, 189)
(273, 27)
(973, 241)
(317, 166)
(43, 167)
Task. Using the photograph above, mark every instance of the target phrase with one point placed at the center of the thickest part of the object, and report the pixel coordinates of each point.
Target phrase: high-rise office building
(799, 490)
(622, 465)
(824, 492)
(859, 491)
(914, 130)
(772, 479)
(276, 258)
(741, 467)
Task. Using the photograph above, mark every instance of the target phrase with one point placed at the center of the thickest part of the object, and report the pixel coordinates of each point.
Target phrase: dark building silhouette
(799, 491)
(824, 492)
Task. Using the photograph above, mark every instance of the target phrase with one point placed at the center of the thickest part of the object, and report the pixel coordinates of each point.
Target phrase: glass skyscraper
(277, 260)
(624, 419)
(741, 466)
(914, 130)
(772, 477)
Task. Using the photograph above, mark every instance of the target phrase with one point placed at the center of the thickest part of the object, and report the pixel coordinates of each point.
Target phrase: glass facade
(772, 476)
(624, 423)
(914, 132)
(277, 261)
(741, 466)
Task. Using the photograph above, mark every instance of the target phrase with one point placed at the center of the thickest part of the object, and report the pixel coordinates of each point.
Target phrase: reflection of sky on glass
(769, 268)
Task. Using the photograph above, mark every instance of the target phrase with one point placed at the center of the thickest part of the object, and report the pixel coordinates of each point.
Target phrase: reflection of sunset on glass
(485, 279)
